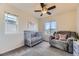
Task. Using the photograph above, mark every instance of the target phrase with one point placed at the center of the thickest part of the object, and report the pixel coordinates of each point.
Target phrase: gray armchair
(64, 45)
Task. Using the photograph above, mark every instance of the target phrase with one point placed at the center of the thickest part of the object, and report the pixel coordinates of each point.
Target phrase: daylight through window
(10, 23)
(50, 27)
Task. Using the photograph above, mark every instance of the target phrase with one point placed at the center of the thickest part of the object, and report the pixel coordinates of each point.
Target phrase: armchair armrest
(71, 39)
(51, 37)
(70, 44)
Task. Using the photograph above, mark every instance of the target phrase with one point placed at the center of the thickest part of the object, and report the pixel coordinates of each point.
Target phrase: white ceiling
(30, 7)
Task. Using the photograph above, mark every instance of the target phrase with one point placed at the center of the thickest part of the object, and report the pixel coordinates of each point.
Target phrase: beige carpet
(42, 49)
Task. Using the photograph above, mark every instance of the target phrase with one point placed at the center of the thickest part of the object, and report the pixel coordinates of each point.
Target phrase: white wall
(65, 21)
(11, 41)
(77, 22)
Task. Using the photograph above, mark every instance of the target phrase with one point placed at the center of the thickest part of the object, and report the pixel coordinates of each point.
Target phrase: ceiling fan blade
(52, 7)
(41, 14)
(42, 5)
(37, 11)
(48, 13)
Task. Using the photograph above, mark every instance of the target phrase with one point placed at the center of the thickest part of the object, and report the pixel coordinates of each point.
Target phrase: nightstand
(76, 48)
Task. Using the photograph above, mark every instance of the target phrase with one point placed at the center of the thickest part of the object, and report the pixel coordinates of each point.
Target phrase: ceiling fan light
(44, 12)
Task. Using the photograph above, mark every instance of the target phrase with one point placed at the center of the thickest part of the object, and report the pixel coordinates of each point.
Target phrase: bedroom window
(10, 23)
(50, 27)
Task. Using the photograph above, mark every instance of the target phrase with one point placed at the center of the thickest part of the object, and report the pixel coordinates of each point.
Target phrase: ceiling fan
(44, 9)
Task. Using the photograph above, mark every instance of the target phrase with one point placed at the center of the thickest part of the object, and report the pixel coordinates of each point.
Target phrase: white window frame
(6, 23)
(50, 27)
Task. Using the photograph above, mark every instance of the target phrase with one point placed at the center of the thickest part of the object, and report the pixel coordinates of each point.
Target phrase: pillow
(56, 36)
(62, 37)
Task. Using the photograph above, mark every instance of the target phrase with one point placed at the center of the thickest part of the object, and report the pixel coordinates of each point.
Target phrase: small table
(76, 48)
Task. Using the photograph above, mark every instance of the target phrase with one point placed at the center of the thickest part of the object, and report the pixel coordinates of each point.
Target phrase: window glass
(10, 23)
(50, 27)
